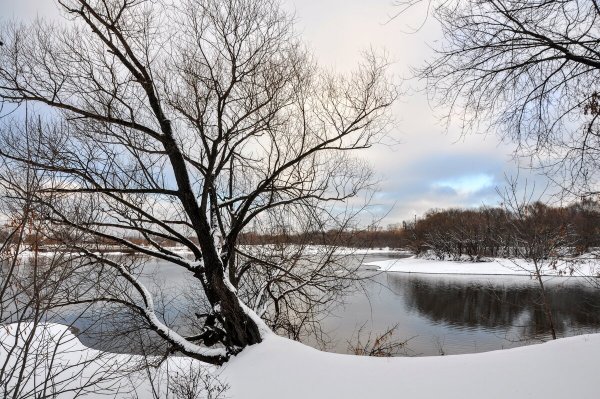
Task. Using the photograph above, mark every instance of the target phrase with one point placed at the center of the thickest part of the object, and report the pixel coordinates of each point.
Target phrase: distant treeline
(392, 237)
(474, 233)
(446, 233)
(497, 232)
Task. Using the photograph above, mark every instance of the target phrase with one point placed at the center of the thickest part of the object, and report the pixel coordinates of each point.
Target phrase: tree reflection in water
(492, 303)
(464, 314)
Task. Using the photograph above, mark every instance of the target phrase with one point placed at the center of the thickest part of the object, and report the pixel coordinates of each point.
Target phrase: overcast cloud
(428, 168)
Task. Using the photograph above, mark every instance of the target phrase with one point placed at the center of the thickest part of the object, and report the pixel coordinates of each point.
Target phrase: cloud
(28, 10)
(466, 184)
(431, 167)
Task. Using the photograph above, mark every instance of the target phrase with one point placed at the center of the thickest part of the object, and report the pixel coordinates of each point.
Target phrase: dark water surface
(440, 314)
(453, 314)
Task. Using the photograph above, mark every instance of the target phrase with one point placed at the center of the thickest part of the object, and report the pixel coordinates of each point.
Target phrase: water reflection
(453, 314)
(462, 314)
(462, 303)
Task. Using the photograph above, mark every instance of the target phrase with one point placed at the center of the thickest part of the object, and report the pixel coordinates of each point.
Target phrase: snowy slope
(282, 369)
(279, 368)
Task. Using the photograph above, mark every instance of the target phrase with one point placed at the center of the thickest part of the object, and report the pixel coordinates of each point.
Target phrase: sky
(431, 167)
(423, 165)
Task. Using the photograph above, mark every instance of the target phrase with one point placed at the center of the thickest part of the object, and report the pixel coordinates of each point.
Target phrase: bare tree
(187, 123)
(539, 235)
(527, 70)
(37, 359)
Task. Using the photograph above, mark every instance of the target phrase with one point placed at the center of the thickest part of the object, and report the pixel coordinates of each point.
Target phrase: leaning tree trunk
(241, 330)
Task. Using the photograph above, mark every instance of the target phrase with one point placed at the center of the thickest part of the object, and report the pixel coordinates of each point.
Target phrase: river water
(437, 314)
(453, 314)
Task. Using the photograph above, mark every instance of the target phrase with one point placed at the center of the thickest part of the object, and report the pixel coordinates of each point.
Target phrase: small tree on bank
(540, 235)
(187, 122)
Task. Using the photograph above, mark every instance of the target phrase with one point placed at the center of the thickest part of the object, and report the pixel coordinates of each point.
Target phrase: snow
(280, 368)
(182, 253)
(58, 355)
(73, 366)
(370, 251)
(160, 327)
(263, 329)
(325, 249)
(517, 267)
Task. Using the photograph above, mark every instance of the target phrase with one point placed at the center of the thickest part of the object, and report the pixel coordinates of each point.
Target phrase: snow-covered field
(499, 266)
(280, 368)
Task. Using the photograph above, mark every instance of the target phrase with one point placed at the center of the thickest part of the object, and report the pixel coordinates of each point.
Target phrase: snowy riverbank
(498, 266)
(280, 368)
(187, 253)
